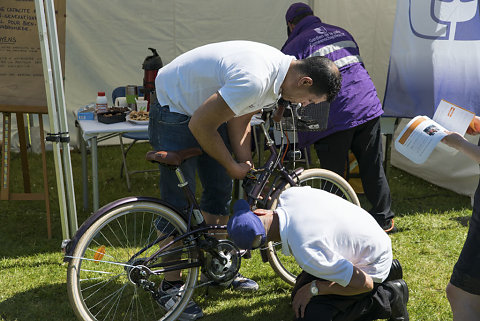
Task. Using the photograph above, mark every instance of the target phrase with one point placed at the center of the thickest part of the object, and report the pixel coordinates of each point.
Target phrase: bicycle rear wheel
(107, 279)
(286, 266)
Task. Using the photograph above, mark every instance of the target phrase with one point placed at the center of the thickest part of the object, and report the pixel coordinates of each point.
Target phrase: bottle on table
(101, 104)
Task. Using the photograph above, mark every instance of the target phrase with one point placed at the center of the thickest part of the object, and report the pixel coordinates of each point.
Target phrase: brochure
(419, 138)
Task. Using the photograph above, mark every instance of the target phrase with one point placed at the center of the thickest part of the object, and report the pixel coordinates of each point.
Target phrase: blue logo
(445, 19)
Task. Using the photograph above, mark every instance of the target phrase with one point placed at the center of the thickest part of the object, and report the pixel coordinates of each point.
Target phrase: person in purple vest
(354, 118)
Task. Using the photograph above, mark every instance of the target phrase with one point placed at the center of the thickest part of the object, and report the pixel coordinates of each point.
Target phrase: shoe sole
(245, 289)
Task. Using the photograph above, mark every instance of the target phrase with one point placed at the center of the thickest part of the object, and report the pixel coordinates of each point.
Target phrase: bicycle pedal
(246, 254)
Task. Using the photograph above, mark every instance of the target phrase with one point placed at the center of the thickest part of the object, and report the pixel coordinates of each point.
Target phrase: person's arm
(458, 142)
(359, 283)
(278, 113)
(204, 124)
(239, 132)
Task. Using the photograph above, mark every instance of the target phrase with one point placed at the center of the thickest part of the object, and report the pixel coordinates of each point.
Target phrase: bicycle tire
(100, 276)
(285, 266)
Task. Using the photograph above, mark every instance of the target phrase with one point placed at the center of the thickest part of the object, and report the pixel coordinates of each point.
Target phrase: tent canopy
(107, 41)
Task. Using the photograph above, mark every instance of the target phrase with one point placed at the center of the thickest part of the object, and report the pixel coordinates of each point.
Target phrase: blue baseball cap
(297, 9)
(244, 228)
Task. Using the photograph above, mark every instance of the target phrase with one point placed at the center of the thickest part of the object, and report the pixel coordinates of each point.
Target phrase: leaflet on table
(419, 138)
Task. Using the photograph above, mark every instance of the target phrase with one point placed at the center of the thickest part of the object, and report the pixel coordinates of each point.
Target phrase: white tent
(106, 43)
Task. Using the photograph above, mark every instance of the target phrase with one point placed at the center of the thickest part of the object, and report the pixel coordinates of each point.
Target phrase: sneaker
(242, 283)
(398, 303)
(168, 298)
(389, 226)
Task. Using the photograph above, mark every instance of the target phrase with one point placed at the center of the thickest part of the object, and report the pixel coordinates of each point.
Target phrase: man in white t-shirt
(346, 257)
(206, 98)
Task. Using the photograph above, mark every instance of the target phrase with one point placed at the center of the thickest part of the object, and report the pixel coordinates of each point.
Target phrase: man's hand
(239, 170)
(278, 113)
(453, 139)
(301, 299)
(474, 127)
(459, 142)
(262, 212)
(204, 124)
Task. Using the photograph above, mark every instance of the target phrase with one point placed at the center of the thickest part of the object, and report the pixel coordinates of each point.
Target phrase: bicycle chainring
(222, 262)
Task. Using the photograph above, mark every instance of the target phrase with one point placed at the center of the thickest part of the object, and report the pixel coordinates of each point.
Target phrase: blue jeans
(169, 131)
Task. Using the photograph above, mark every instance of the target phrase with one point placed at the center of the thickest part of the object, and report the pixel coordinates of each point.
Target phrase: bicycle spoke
(115, 305)
(105, 276)
(115, 295)
(98, 286)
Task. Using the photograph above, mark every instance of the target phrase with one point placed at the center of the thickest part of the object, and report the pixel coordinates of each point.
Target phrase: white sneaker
(169, 297)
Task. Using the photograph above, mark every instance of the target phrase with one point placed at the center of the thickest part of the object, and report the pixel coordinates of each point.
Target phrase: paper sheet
(421, 135)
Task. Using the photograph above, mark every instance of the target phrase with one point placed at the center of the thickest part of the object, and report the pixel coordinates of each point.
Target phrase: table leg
(95, 174)
(83, 150)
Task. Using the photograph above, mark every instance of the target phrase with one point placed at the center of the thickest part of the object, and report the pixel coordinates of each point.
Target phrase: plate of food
(138, 117)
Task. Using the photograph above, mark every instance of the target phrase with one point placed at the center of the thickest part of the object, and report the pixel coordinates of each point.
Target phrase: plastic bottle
(101, 104)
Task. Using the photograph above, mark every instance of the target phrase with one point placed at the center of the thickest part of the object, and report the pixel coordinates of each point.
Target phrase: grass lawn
(432, 228)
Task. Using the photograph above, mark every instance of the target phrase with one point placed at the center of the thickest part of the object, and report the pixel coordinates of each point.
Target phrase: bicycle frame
(192, 215)
(272, 164)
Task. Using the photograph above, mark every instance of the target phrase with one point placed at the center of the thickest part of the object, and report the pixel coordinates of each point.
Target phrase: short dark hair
(298, 18)
(325, 75)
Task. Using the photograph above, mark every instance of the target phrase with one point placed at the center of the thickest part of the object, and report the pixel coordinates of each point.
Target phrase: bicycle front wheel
(107, 278)
(285, 266)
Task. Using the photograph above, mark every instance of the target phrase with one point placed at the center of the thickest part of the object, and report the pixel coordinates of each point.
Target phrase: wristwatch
(313, 288)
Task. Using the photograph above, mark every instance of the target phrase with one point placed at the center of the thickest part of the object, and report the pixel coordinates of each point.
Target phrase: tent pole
(57, 114)
(62, 113)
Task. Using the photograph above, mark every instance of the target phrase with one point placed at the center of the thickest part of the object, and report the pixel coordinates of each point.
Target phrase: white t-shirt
(247, 74)
(327, 235)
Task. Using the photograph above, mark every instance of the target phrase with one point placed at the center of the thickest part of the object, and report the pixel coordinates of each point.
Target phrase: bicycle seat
(173, 158)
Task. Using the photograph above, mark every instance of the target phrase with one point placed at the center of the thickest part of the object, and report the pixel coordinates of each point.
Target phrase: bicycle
(118, 257)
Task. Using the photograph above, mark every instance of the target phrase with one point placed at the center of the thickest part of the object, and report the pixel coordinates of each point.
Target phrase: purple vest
(357, 101)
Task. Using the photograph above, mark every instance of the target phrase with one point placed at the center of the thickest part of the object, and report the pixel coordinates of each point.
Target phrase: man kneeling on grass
(345, 255)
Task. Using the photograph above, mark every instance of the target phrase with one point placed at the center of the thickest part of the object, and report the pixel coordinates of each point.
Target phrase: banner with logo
(435, 55)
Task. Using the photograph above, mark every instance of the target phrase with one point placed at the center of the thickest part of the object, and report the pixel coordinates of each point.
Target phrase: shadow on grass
(411, 195)
(31, 265)
(462, 220)
(41, 303)
(51, 303)
(24, 233)
(264, 304)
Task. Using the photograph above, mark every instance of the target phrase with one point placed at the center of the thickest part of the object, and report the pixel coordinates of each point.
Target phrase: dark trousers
(466, 272)
(366, 144)
(362, 307)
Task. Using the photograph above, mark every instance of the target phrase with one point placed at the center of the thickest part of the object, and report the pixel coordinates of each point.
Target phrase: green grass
(432, 223)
